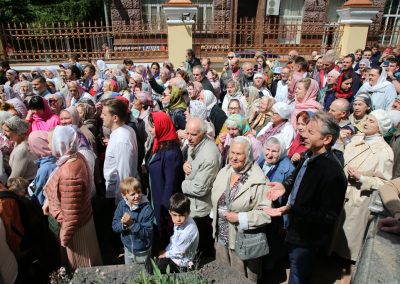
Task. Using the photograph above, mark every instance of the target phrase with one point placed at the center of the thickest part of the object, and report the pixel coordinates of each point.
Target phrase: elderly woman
(12, 80)
(87, 115)
(327, 94)
(21, 159)
(212, 76)
(233, 92)
(40, 115)
(368, 164)
(194, 89)
(382, 92)
(175, 106)
(305, 95)
(25, 91)
(165, 173)
(279, 125)
(260, 85)
(46, 162)
(69, 185)
(253, 100)
(76, 93)
(237, 197)
(362, 106)
(298, 147)
(214, 113)
(237, 126)
(263, 113)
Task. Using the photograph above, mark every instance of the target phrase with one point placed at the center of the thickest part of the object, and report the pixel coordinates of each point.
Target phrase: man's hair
(180, 83)
(200, 68)
(247, 64)
(130, 184)
(367, 49)
(190, 51)
(300, 60)
(127, 62)
(329, 125)
(91, 67)
(330, 57)
(351, 56)
(179, 203)
(208, 60)
(118, 108)
(41, 79)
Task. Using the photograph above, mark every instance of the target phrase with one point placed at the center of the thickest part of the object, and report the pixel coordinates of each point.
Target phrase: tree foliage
(27, 11)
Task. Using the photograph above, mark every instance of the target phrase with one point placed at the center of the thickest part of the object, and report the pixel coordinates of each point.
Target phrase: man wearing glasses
(199, 76)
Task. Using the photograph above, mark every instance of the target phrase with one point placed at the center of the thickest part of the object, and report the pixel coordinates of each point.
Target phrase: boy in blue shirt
(133, 219)
(181, 250)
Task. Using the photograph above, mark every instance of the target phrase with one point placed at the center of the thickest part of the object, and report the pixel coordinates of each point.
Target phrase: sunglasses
(230, 57)
(51, 101)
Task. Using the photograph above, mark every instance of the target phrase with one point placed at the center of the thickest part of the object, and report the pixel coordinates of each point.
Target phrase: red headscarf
(164, 129)
(339, 92)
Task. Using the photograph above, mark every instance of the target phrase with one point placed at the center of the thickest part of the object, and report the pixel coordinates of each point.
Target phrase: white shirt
(120, 161)
(281, 91)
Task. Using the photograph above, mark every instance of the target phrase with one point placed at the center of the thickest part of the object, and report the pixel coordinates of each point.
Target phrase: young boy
(133, 218)
(182, 247)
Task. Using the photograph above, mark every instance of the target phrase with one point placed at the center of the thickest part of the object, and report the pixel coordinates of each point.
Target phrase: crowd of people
(191, 161)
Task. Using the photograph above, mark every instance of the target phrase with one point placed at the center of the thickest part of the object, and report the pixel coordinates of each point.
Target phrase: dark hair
(190, 51)
(74, 56)
(179, 203)
(75, 71)
(329, 125)
(346, 76)
(36, 102)
(118, 108)
(91, 67)
(302, 62)
(351, 56)
(377, 68)
(367, 49)
(41, 79)
(304, 115)
(127, 62)
(155, 63)
(4, 64)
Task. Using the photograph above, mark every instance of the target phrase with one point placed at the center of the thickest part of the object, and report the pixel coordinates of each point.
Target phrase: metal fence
(387, 34)
(276, 38)
(55, 41)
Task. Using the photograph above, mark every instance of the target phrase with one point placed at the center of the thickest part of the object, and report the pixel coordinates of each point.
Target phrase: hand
(162, 254)
(276, 190)
(222, 138)
(277, 212)
(187, 168)
(105, 140)
(29, 115)
(232, 217)
(296, 157)
(149, 73)
(45, 207)
(126, 219)
(390, 225)
(182, 134)
(353, 173)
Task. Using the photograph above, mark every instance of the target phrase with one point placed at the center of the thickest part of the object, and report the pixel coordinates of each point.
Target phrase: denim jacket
(46, 166)
(138, 236)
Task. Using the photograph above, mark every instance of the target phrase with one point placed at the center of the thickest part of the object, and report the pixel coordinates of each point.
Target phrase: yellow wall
(179, 39)
(353, 37)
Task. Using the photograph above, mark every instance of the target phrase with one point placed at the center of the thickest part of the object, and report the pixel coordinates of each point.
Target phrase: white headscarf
(382, 83)
(210, 100)
(64, 143)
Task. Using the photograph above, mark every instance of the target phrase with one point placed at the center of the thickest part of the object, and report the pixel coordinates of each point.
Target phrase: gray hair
(330, 56)
(200, 69)
(275, 141)
(202, 124)
(329, 125)
(180, 84)
(248, 148)
(343, 104)
(17, 125)
(247, 64)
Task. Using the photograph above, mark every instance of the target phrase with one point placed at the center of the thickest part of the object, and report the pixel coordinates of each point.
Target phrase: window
(290, 14)
(391, 24)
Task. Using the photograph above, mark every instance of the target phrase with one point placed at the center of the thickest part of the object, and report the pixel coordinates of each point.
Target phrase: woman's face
(24, 89)
(258, 82)
(39, 112)
(346, 85)
(373, 77)
(10, 77)
(21, 77)
(360, 109)
(12, 136)
(152, 130)
(48, 74)
(166, 96)
(276, 118)
(318, 64)
(371, 126)
(233, 131)
(190, 91)
(210, 76)
(301, 126)
(331, 80)
(233, 108)
(155, 69)
(74, 92)
(263, 106)
(362, 66)
(237, 156)
(230, 88)
(271, 153)
(65, 118)
(63, 75)
(300, 92)
(81, 112)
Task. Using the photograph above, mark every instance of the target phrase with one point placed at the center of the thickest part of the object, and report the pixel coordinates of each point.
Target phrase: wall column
(180, 19)
(355, 17)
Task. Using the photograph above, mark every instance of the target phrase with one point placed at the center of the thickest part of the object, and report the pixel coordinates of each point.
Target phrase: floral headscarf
(236, 120)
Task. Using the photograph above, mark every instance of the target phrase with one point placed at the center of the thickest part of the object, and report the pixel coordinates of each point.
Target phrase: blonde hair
(19, 185)
(130, 184)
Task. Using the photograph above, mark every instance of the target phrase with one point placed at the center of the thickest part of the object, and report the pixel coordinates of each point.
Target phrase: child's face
(178, 219)
(133, 197)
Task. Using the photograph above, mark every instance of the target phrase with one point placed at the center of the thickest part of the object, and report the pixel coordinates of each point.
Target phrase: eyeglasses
(164, 95)
(233, 108)
(230, 57)
(51, 101)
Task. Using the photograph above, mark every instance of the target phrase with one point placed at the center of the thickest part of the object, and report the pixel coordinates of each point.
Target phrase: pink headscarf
(292, 87)
(47, 121)
(309, 102)
(39, 143)
(197, 88)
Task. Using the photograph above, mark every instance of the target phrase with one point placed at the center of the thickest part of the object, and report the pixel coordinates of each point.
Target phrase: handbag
(54, 226)
(249, 244)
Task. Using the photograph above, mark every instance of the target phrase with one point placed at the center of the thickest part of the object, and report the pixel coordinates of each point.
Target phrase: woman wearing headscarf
(263, 113)
(12, 80)
(382, 92)
(253, 100)
(25, 91)
(174, 105)
(237, 198)
(368, 164)
(326, 95)
(69, 185)
(298, 146)
(21, 159)
(76, 93)
(19, 106)
(51, 74)
(6, 145)
(165, 174)
(40, 115)
(233, 92)
(87, 114)
(279, 125)
(362, 106)
(214, 113)
(305, 98)
(39, 145)
(237, 126)
(194, 89)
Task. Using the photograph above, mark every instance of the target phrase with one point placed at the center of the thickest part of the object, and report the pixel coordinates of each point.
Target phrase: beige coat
(250, 199)
(375, 162)
(390, 194)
